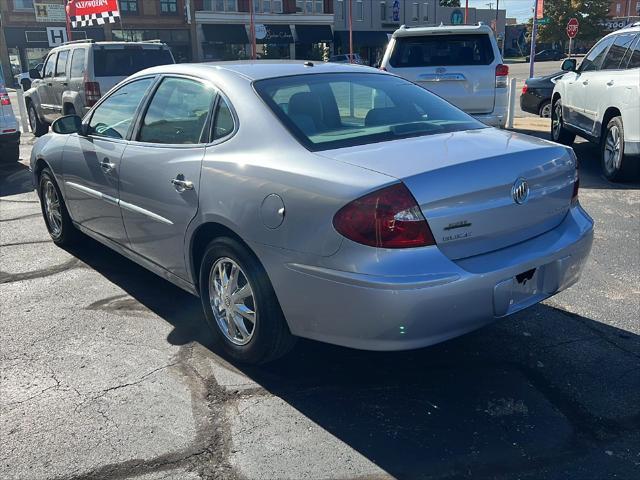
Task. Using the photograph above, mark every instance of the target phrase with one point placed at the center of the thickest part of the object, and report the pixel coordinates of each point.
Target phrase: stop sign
(572, 28)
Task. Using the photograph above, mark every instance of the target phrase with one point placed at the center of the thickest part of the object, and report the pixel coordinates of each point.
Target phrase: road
(108, 372)
(520, 71)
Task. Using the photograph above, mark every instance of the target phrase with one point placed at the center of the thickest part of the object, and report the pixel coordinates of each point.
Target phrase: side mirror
(68, 124)
(34, 73)
(569, 65)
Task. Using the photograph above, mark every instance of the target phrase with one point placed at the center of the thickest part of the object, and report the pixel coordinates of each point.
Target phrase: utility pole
(534, 33)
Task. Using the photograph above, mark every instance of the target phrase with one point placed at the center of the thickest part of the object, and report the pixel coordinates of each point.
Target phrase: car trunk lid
(464, 184)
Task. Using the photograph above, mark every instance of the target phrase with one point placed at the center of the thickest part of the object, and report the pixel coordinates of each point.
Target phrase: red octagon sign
(572, 28)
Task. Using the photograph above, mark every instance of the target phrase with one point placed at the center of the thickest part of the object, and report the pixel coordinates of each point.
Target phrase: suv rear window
(122, 62)
(442, 50)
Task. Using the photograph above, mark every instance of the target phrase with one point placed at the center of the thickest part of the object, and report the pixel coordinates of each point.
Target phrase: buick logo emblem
(520, 191)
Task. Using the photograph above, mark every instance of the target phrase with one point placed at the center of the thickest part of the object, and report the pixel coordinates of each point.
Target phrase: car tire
(545, 109)
(268, 337)
(38, 127)
(54, 210)
(558, 131)
(615, 166)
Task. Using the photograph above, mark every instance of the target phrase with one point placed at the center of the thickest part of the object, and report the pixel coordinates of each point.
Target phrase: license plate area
(519, 291)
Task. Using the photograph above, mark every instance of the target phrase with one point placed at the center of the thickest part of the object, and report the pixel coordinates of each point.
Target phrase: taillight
(502, 73)
(386, 218)
(5, 100)
(524, 89)
(91, 93)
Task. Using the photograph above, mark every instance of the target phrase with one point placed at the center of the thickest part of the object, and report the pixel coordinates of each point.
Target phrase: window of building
(638, 9)
(618, 9)
(277, 6)
(169, 7)
(129, 6)
(415, 11)
(340, 10)
(319, 6)
(425, 12)
(383, 11)
(359, 11)
(308, 6)
(61, 65)
(23, 4)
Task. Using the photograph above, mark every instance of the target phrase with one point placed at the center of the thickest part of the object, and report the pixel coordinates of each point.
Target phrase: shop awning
(273, 34)
(314, 33)
(367, 38)
(225, 33)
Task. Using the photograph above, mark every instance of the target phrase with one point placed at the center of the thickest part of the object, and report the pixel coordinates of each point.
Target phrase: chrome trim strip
(137, 209)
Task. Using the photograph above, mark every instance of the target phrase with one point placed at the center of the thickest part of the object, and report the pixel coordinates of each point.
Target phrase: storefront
(314, 41)
(371, 45)
(179, 40)
(28, 46)
(225, 42)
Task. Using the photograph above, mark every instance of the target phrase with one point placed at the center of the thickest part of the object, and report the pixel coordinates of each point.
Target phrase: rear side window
(113, 117)
(61, 65)
(223, 125)
(616, 53)
(442, 50)
(77, 63)
(177, 113)
(634, 60)
(122, 62)
(49, 66)
(593, 60)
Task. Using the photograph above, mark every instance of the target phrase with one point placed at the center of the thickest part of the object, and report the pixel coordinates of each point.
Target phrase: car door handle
(586, 82)
(180, 184)
(106, 165)
(609, 83)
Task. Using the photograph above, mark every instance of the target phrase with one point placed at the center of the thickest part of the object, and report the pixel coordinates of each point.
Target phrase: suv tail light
(91, 93)
(4, 99)
(386, 218)
(502, 73)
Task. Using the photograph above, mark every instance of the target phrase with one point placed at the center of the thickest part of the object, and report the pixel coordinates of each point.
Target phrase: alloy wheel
(232, 301)
(52, 209)
(611, 152)
(556, 120)
(545, 112)
(33, 119)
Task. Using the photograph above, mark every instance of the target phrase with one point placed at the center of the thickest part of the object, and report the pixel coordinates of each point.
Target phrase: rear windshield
(335, 110)
(122, 62)
(442, 50)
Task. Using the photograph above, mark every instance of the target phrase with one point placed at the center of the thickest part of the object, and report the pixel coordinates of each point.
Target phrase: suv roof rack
(156, 40)
(86, 40)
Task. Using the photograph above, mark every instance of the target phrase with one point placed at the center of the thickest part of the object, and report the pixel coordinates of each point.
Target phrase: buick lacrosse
(326, 201)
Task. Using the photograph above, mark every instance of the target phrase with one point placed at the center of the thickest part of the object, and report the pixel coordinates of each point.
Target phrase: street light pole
(534, 33)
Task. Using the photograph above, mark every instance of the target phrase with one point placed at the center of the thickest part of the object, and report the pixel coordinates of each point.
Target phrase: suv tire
(268, 337)
(38, 127)
(558, 131)
(615, 166)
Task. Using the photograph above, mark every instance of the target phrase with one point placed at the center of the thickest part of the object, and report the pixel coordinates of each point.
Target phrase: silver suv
(76, 74)
(461, 63)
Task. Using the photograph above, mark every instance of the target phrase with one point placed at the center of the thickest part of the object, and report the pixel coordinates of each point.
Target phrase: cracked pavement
(108, 372)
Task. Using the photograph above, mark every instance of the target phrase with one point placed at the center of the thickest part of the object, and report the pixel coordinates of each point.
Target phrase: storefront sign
(49, 12)
(92, 12)
(457, 17)
(279, 34)
(56, 36)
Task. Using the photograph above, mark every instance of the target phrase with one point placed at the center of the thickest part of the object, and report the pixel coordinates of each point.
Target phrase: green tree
(449, 3)
(590, 15)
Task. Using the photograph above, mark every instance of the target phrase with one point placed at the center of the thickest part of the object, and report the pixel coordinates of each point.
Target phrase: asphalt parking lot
(108, 372)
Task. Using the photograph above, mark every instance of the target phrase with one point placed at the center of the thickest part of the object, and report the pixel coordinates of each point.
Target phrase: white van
(462, 64)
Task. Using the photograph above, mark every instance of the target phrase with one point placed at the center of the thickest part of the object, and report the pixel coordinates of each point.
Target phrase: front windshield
(335, 110)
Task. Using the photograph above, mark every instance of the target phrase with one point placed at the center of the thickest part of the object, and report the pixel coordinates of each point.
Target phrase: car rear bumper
(399, 312)
(497, 118)
(10, 138)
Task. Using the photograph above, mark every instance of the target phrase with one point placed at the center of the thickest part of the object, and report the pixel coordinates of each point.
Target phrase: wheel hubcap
(52, 210)
(556, 121)
(612, 155)
(232, 301)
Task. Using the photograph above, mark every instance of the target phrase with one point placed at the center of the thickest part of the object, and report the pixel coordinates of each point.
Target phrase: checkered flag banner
(86, 13)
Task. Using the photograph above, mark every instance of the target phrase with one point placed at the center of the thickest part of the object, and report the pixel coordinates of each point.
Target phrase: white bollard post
(512, 102)
(22, 108)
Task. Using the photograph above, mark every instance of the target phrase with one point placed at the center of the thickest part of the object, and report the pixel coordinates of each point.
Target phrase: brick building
(624, 8)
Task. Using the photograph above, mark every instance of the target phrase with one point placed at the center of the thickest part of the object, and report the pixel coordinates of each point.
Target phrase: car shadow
(14, 178)
(589, 160)
(542, 391)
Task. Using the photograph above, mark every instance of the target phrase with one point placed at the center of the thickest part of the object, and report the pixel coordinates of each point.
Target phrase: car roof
(404, 31)
(260, 69)
(632, 28)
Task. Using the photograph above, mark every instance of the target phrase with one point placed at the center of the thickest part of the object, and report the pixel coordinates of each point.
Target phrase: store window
(129, 7)
(23, 4)
(169, 7)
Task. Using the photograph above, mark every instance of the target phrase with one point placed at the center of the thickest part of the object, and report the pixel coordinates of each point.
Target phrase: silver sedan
(333, 202)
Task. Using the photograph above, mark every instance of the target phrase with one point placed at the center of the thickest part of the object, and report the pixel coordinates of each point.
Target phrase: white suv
(9, 131)
(462, 64)
(600, 101)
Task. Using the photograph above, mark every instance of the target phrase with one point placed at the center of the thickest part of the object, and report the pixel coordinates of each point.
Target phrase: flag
(540, 10)
(85, 13)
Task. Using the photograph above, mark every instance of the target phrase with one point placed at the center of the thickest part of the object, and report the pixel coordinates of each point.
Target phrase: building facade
(374, 20)
(285, 29)
(30, 28)
(624, 8)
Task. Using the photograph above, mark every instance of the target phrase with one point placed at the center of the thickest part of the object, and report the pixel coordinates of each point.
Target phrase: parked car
(547, 55)
(536, 94)
(76, 74)
(24, 79)
(329, 202)
(600, 101)
(347, 58)
(9, 130)
(462, 64)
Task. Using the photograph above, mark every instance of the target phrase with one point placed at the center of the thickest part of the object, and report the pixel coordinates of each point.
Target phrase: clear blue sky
(521, 9)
